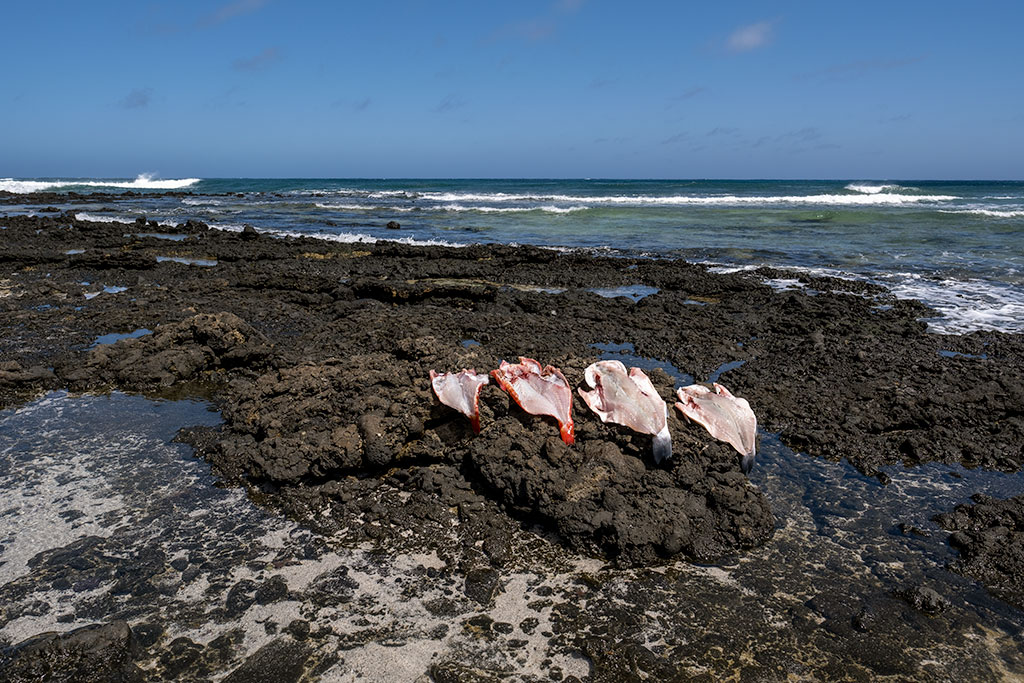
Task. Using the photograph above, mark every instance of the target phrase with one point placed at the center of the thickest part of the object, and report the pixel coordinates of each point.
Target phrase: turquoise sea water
(958, 246)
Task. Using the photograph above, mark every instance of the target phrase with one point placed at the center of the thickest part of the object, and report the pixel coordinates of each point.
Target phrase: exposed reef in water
(317, 355)
(990, 537)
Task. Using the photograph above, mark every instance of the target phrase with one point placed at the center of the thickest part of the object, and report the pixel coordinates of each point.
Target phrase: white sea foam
(964, 305)
(513, 209)
(228, 227)
(366, 207)
(880, 198)
(866, 188)
(991, 213)
(345, 207)
(343, 237)
(202, 201)
(388, 194)
(144, 181)
(96, 218)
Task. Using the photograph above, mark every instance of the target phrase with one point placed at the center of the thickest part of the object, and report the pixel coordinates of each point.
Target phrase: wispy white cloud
(229, 11)
(259, 62)
(138, 98)
(751, 37)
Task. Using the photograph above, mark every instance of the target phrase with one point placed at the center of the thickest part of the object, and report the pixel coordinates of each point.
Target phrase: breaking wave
(866, 188)
(144, 181)
(342, 237)
(963, 305)
(864, 199)
(513, 209)
(991, 213)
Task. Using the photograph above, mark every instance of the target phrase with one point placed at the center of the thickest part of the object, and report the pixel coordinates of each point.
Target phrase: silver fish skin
(628, 399)
(726, 417)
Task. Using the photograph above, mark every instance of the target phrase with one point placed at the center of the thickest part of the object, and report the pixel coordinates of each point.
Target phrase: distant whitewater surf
(144, 181)
(955, 245)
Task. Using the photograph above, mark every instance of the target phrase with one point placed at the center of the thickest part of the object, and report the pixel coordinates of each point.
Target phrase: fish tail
(567, 432)
(662, 446)
(747, 463)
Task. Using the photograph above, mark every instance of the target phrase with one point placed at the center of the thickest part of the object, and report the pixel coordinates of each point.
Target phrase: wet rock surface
(317, 355)
(836, 374)
(101, 652)
(990, 537)
(118, 524)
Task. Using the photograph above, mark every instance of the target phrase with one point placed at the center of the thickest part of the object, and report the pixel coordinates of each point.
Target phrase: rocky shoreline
(317, 355)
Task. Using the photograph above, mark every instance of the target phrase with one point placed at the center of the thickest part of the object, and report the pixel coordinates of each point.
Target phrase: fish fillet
(539, 392)
(460, 391)
(629, 400)
(726, 417)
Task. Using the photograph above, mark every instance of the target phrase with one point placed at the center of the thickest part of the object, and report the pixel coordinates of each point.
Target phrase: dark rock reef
(990, 537)
(318, 355)
(92, 654)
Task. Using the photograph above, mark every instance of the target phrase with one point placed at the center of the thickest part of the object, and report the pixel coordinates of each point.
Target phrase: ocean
(955, 245)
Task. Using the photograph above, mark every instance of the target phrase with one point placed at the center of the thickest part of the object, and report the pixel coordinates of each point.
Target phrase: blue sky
(553, 88)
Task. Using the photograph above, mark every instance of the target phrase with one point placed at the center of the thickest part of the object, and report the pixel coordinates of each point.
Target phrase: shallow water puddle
(114, 337)
(626, 354)
(634, 292)
(174, 237)
(883, 536)
(724, 368)
(957, 354)
(538, 289)
(188, 260)
(110, 289)
(105, 518)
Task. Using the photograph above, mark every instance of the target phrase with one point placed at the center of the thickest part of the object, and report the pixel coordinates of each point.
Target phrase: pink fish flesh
(460, 391)
(539, 392)
(726, 417)
(629, 400)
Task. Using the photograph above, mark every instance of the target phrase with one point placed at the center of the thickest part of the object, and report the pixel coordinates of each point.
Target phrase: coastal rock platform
(316, 355)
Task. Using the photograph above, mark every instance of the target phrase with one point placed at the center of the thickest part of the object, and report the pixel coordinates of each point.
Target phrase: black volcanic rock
(990, 537)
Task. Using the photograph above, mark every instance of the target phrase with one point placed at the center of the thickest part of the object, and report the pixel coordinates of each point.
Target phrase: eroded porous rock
(602, 500)
(313, 431)
(100, 653)
(318, 355)
(190, 350)
(18, 381)
(279, 661)
(342, 416)
(990, 537)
